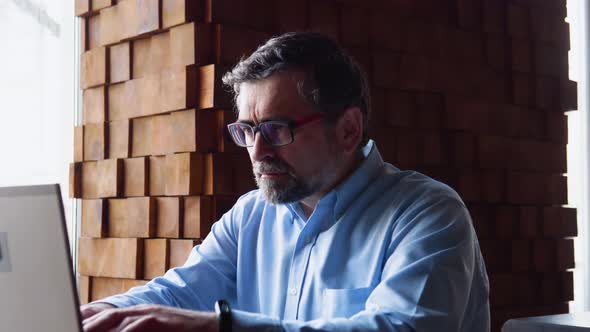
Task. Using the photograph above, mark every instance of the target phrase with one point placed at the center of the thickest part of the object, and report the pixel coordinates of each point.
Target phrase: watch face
(4, 253)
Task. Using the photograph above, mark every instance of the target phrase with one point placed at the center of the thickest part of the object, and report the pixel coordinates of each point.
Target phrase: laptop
(37, 285)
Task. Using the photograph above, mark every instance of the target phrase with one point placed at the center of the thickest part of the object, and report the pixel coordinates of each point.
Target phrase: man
(334, 239)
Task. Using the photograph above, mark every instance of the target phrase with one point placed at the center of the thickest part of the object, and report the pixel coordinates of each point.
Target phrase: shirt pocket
(344, 302)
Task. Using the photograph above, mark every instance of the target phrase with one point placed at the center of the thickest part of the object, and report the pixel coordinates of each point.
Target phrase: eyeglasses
(275, 133)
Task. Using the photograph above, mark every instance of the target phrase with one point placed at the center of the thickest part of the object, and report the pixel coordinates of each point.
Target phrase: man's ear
(350, 129)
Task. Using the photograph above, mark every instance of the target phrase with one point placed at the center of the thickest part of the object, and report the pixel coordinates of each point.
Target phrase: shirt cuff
(243, 321)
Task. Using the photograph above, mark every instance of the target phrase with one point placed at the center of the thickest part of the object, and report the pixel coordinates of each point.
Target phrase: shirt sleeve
(208, 275)
(425, 284)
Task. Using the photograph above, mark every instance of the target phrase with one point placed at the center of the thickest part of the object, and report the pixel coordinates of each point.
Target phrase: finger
(143, 324)
(104, 320)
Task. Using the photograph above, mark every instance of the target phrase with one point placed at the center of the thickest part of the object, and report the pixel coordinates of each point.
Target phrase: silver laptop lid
(37, 288)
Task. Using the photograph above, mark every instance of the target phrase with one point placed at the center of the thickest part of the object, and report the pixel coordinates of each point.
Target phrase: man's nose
(260, 149)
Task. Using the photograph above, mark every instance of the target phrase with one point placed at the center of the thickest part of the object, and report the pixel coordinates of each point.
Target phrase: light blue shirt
(386, 250)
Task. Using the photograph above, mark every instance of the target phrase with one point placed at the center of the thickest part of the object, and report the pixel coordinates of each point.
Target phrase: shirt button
(308, 240)
(292, 291)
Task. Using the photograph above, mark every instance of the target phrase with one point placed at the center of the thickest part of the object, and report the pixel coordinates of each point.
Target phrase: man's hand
(147, 318)
(91, 309)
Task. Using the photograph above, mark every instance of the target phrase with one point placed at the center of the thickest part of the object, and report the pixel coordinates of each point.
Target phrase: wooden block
(158, 175)
(324, 17)
(159, 52)
(522, 89)
(569, 95)
(94, 218)
(550, 60)
(146, 16)
(385, 30)
(233, 43)
(198, 216)
(547, 96)
(161, 135)
(496, 55)
(461, 46)
(101, 4)
(419, 38)
(129, 19)
(119, 134)
(141, 216)
(469, 14)
(355, 25)
(224, 142)
(521, 56)
(531, 188)
(179, 251)
(81, 7)
(141, 57)
(95, 146)
(132, 217)
(386, 69)
(137, 173)
(218, 174)
(243, 178)
(556, 125)
(210, 92)
(94, 105)
(521, 259)
(178, 89)
(75, 187)
(170, 214)
(78, 143)
(559, 222)
(225, 11)
(492, 151)
(102, 179)
(529, 222)
(291, 16)
(193, 130)
(553, 255)
(518, 21)
(469, 186)
(93, 32)
(184, 174)
(462, 149)
(506, 221)
(147, 92)
(93, 68)
(481, 218)
(191, 44)
(118, 223)
(222, 204)
(120, 62)
(116, 258)
(402, 106)
(84, 287)
(493, 186)
(121, 96)
(104, 287)
(83, 29)
(175, 12)
(142, 138)
(156, 254)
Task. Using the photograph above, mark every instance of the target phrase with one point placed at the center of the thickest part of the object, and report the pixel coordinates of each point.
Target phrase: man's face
(301, 169)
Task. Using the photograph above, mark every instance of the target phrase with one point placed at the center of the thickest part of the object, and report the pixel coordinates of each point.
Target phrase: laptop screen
(37, 285)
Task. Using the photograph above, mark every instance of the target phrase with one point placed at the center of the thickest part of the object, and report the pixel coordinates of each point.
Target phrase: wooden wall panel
(116, 258)
(472, 93)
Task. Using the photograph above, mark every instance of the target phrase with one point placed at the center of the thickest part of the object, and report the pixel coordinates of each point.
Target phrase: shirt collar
(348, 190)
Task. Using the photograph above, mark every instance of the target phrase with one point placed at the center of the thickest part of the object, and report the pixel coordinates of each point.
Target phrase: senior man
(334, 239)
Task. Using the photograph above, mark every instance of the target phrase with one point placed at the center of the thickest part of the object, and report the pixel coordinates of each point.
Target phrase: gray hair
(333, 80)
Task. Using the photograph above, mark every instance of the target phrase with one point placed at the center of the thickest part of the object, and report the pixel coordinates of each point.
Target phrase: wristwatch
(223, 311)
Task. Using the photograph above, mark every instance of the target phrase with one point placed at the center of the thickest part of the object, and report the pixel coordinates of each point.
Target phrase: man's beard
(288, 189)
